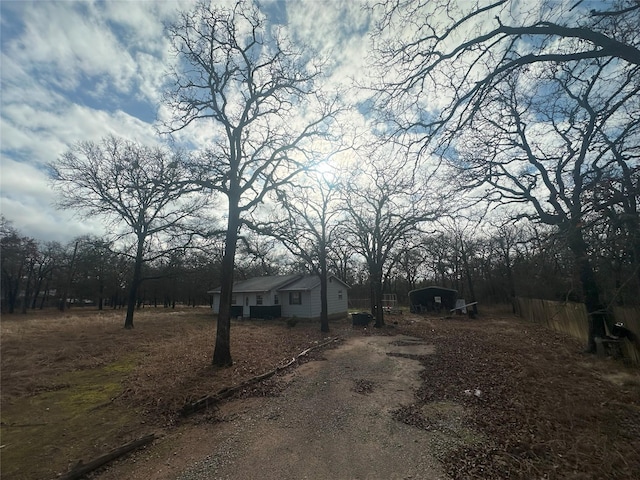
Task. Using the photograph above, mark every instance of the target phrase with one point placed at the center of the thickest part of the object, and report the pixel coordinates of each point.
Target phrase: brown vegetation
(76, 385)
(544, 408)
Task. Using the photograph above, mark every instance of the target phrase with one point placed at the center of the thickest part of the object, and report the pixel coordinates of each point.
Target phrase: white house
(285, 296)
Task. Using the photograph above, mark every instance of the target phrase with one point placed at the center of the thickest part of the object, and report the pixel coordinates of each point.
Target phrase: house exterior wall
(302, 311)
(241, 300)
(310, 307)
(335, 304)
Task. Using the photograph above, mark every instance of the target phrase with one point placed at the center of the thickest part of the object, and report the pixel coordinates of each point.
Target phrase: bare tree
(255, 95)
(18, 257)
(463, 50)
(145, 190)
(308, 229)
(614, 197)
(385, 201)
(410, 260)
(94, 264)
(534, 102)
(50, 254)
(339, 259)
(258, 255)
(543, 150)
(465, 239)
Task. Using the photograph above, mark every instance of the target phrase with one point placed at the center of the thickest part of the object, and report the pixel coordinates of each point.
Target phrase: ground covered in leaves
(539, 406)
(519, 401)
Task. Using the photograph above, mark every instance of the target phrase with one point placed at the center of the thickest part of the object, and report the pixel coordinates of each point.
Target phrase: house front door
(246, 310)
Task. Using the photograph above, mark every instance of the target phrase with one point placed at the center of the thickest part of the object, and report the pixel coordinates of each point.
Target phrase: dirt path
(333, 419)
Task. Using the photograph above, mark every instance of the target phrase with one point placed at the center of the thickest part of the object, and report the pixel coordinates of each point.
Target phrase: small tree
(142, 189)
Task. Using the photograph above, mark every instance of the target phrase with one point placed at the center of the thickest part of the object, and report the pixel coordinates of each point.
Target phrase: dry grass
(82, 372)
(77, 384)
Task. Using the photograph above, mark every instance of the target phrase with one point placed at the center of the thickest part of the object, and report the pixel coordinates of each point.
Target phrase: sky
(74, 71)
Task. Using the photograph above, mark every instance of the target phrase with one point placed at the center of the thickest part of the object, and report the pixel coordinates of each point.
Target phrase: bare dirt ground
(426, 397)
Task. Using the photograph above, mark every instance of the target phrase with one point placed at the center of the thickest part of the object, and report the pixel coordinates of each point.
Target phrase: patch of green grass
(47, 433)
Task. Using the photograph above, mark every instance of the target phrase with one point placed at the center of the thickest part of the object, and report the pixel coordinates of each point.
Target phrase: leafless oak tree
(308, 228)
(385, 201)
(143, 189)
(254, 95)
(537, 102)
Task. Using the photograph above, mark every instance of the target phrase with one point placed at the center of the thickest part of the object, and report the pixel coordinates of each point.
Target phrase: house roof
(308, 282)
(278, 282)
(260, 284)
(304, 283)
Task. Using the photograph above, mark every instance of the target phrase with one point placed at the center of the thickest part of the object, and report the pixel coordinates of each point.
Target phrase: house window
(258, 299)
(339, 294)
(233, 300)
(276, 300)
(295, 298)
(246, 301)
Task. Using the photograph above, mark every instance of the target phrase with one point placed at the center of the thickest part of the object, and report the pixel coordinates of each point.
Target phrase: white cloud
(68, 40)
(40, 136)
(337, 30)
(75, 71)
(27, 201)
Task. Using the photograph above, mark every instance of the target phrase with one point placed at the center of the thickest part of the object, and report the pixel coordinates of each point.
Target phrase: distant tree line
(93, 272)
(486, 264)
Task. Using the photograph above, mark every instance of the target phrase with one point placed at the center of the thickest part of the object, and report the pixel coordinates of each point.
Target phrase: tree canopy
(143, 189)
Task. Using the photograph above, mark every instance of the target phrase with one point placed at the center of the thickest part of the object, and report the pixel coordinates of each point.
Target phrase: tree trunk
(36, 291)
(590, 291)
(101, 294)
(467, 272)
(45, 295)
(376, 279)
(506, 256)
(67, 287)
(324, 300)
(324, 314)
(222, 350)
(12, 293)
(27, 290)
(135, 283)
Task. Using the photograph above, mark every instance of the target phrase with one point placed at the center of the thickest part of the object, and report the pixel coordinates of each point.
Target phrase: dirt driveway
(332, 419)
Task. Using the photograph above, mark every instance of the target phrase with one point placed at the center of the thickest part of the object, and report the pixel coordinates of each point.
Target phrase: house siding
(215, 305)
(303, 311)
(315, 306)
(310, 307)
(336, 305)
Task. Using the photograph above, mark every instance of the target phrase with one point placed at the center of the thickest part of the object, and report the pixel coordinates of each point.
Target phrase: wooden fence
(571, 319)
